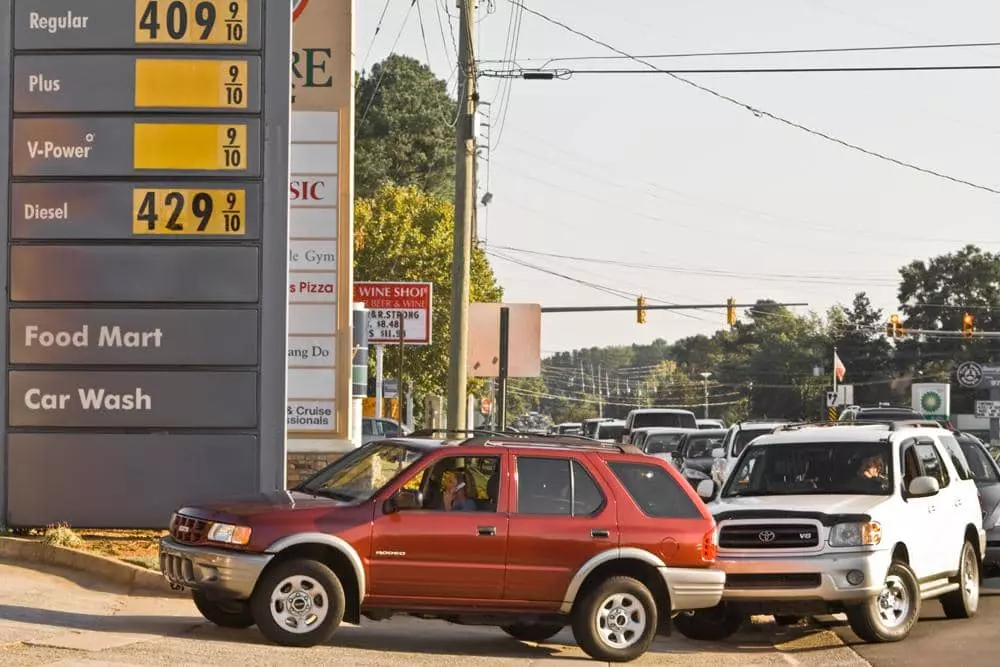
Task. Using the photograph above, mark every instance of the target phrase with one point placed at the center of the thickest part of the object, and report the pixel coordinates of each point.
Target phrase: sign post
(146, 299)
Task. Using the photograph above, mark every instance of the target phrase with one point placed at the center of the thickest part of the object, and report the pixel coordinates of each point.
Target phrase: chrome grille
(187, 529)
(769, 536)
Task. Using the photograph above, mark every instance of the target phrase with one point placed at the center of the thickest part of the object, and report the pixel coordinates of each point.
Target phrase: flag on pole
(838, 367)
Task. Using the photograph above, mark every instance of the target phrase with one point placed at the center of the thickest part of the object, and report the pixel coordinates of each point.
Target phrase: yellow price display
(190, 146)
(166, 211)
(190, 21)
(196, 84)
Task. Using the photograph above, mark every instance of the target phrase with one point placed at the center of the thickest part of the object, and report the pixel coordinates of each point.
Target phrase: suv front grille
(188, 529)
(773, 536)
(754, 581)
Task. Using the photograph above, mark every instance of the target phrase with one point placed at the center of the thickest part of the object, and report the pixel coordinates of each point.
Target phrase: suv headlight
(856, 534)
(229, 534)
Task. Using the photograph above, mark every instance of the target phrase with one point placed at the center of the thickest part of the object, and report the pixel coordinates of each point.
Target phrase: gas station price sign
(146, 301)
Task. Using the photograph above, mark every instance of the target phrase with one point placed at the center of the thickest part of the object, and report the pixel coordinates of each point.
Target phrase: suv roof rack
(914, 423)
(431, 432)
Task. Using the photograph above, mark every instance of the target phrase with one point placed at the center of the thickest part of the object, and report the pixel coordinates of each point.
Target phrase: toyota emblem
(766, 536)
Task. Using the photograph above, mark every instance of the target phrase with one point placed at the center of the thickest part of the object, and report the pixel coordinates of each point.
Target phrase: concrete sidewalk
(55, 617)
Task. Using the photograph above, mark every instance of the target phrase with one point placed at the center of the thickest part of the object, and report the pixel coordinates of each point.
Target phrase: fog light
(855, 577)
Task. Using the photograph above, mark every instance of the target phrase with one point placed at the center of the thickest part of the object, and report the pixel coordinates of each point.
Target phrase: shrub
(61, 535)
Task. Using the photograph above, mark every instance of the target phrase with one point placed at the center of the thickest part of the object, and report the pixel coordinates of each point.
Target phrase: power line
(378, 84)
(763, 52)
(761, 112)
(566, 73)
(378, 28)
(423, 34)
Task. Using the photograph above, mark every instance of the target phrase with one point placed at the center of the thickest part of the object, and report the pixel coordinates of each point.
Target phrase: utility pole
(465, 194)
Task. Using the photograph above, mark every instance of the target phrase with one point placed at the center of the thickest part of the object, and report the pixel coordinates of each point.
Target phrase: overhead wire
(567, 73)
(760, 112)
(378, 83)
(378, 28)
(517, 15)
(423, 33)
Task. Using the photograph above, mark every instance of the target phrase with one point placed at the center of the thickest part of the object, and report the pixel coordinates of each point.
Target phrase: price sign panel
(146, 299)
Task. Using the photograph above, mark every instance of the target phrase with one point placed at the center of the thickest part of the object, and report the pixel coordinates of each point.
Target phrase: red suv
(528, 533)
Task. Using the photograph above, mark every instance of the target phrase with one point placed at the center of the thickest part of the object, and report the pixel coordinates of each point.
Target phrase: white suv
(868, 520)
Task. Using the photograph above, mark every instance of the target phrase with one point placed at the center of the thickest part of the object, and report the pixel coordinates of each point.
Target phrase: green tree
(404, 129)
(405, 234)
(858, 333)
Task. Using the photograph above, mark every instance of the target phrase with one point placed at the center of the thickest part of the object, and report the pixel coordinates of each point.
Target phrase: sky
(662, 190)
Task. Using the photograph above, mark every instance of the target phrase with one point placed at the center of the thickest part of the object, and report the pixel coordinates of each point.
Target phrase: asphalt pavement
(56, 617)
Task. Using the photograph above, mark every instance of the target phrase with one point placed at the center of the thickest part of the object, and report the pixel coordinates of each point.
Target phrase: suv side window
(440, 485)
(957, 456)
(560, 487)
(932, 463)
(654, 490)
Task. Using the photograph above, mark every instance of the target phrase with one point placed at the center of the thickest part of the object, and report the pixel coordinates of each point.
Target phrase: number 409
(176, 19)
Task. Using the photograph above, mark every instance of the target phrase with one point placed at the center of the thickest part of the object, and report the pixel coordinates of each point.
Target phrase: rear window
(662, 443)
(675, 419)
(700, 447)
(655, 491)
(605, 432)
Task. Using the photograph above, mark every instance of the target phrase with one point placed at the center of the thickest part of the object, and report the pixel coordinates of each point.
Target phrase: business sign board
(931, 399)
(321, 222)
(988, 409)
(145, 300)
(392, 306)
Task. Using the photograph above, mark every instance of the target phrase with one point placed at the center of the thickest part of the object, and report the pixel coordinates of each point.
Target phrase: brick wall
(303, 464)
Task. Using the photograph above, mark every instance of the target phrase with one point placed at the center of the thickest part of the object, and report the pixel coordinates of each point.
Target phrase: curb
(137, 580)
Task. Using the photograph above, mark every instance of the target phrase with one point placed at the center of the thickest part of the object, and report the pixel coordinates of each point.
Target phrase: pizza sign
(297, 7)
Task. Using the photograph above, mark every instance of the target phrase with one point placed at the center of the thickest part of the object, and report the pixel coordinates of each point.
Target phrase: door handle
(487, 530)
(600, 532)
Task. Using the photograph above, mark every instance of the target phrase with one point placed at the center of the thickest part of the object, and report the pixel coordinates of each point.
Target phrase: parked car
(572, 428)
(711, 424)
(642, 417)
(869, 521)
(610, 431)
(737, 438)
(376, 428)
(590, 426)
(659, 441)
(985, 472)
(554, 531)
(694, 454)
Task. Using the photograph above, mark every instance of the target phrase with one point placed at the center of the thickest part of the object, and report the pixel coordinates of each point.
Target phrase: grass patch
(61, 535)
(137, 547)
(148, 562)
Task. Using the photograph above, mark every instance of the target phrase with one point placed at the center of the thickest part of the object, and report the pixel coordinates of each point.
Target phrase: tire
(709, 625)
(874, 624)
(616, 621)
(964, 603)
(533, 632)
(224, 613)
(298, 603)
(787, 619)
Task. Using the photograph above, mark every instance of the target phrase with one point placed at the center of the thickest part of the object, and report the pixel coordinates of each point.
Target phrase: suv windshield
(745, 435)
(852, 468)
(701, 446)
(676, 419)
(360, 474)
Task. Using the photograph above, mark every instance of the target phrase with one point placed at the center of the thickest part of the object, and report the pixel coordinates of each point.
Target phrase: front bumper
(693, 588)
(229, 574)
(821, 577)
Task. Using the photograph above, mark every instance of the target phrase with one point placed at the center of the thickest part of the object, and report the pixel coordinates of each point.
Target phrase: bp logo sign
(931, 402)
(297, 7)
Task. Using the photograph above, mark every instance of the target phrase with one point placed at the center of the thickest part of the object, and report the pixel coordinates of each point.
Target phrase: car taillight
(709, 546)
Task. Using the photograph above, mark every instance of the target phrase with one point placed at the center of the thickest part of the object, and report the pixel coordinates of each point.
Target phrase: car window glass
(699, 447)
(932, 464)
(744, 437)
(662, 443)
(980, 467)
(910, 464)
(957, 456)
(366, 427)
(654, 490)
(389, 428)
(587, 497)
(459, 483)
(543, 486)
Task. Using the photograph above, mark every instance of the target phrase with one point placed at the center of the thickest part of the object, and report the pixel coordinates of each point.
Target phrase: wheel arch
(629, 562)
(335, 553)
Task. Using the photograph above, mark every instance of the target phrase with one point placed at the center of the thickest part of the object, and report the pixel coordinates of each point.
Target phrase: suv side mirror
(404, 500)
(718, 453)
(922, 487)
(706, 489)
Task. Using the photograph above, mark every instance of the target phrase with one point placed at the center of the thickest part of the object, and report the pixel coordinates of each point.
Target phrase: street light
(704, 377)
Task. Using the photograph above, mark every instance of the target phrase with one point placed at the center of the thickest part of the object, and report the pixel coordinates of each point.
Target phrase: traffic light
(640, 310)
(894, 328)
(968, 322)
(731, 312)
